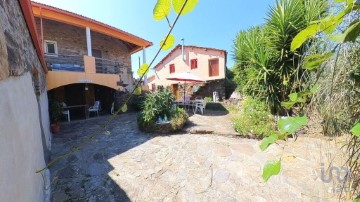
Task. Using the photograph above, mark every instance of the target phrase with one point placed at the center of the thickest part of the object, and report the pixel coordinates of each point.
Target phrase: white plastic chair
(95, 108)
(200, 105)
(65, 112)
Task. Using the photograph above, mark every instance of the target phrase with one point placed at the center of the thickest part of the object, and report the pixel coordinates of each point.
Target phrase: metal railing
(72, 63)
(105, 66)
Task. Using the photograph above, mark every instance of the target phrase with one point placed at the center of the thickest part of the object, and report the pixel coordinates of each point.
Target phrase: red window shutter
(193, 64)
(172, 68)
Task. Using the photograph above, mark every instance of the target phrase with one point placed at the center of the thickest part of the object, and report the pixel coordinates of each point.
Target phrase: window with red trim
(193, 63)
(172, 68)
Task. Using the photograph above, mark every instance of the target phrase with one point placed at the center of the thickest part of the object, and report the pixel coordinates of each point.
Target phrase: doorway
(175, 91)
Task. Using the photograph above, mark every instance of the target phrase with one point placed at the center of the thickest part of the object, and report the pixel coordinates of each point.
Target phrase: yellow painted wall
(60, 78)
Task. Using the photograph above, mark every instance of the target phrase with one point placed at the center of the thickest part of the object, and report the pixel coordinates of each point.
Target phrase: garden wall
(24, 119)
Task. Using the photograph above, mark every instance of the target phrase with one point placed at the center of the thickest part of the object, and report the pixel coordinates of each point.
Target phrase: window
(172, 68)
(193, 63)
(214, 67)
(51, 47)
(153, 87)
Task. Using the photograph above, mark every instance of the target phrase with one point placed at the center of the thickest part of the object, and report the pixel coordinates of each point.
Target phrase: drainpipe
(144, 61)
(88, 41)
(182, 49)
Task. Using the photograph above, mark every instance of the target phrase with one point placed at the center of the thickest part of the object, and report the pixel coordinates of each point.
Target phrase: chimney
(182, 49)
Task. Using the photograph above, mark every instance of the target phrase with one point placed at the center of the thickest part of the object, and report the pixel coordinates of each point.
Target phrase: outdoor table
(188, 103)
(79, 106)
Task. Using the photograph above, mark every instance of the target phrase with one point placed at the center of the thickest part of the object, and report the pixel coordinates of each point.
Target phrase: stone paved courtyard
(128, 165)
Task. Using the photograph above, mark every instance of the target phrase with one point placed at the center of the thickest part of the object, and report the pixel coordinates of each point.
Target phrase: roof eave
(63, 16)
(30, 22)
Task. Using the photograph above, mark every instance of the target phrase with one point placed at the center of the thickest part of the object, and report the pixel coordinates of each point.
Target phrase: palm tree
(265, 66)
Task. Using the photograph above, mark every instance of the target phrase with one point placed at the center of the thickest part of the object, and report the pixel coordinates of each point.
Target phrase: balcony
(71, 63)
(105, 66)
(70, 69)
(75, 63)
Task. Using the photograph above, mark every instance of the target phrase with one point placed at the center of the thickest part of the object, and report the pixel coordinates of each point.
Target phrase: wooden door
(175, 91)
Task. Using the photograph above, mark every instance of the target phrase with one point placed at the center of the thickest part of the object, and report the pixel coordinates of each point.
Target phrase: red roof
(151, 78)
(179, 47)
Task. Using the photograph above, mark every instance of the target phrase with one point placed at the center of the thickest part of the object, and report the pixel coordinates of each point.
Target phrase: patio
(128, 165)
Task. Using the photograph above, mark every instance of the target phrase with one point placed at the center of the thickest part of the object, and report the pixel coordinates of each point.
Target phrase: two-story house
(87, 60)
(207, 63)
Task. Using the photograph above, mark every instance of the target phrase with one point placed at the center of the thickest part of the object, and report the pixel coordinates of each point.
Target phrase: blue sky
(213, 23)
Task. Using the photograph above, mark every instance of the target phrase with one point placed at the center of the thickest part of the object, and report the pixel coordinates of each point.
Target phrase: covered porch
(79, 97)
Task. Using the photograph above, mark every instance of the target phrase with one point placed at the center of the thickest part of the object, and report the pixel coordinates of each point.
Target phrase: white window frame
(46, 47)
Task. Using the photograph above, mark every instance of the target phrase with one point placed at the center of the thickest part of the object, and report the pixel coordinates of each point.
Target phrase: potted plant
(55, 110)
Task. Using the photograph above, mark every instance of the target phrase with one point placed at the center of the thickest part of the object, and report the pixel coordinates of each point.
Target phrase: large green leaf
(161, 9)
(290, 125)
(288, 104)
(293, 96)
(178, 4)
(329, 24)
(137, 91)
(304, 35)
(338, 38)
(355, 131)
(124, 108)
(168, 44)
(266, 142)
(143, 70)
(352, 32)
(314, 61)
(271, 168)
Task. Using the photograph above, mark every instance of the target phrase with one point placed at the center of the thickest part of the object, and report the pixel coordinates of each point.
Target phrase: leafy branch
(181, 7)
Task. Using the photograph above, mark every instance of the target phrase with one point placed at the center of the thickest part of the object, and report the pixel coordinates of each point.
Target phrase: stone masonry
(17, 52)
(71, 40)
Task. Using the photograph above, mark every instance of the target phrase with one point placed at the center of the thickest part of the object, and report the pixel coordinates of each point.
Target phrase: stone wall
(24, 120)
(204, 89)
(71, 40)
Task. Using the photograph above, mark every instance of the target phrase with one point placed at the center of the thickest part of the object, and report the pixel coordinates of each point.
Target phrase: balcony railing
(105, 66)
(72, 63)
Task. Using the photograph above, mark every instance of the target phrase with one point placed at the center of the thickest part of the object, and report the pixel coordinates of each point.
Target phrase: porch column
(144, 61)
(88, 41)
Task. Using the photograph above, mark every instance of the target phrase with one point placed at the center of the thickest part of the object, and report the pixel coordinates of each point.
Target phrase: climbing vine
(161, 11)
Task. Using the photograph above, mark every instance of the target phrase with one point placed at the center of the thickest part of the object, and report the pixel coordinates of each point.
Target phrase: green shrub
(254, 119)
(137, 101)
(160, 104)
(179, 118)
(208, 99)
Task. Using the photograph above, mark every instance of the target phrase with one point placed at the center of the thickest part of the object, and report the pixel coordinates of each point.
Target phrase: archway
(80, 96)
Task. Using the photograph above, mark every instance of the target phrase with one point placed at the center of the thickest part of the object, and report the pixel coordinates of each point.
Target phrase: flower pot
(55, 128)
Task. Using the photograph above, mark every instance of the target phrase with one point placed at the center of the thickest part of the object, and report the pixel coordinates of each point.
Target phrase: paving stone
(129, 165)
(222, 150)
(221, 175)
